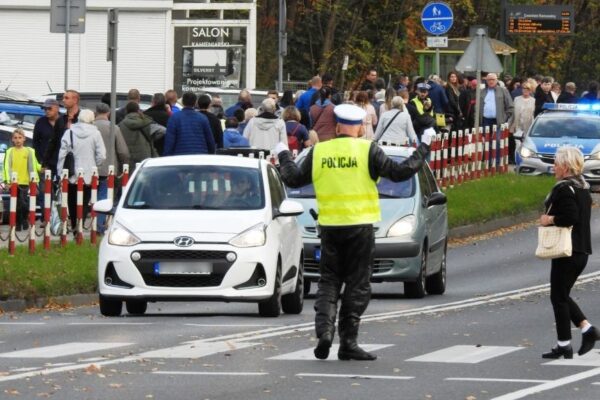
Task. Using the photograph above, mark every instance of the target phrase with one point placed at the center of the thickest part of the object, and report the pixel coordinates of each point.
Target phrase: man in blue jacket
(188, 131)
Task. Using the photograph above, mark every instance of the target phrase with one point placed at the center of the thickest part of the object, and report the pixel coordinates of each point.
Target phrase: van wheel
(272, 306)
(136, 307)
(294, 302)
(436, 283)
(416, 290)
(110, 307)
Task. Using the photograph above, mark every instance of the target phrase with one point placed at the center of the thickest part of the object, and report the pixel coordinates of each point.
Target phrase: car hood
(391, 211)
(202, 225)
(550, 145)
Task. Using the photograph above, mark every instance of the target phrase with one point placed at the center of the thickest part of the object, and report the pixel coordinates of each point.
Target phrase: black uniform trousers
(346, 259)
(563, 275)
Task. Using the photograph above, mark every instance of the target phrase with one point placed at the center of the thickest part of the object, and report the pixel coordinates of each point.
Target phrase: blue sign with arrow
(437, 18)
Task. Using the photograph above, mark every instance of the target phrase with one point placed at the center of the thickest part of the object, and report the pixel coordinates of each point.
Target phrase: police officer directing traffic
(344, 172)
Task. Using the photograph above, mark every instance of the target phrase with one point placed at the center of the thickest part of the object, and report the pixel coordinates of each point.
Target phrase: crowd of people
(395, 112)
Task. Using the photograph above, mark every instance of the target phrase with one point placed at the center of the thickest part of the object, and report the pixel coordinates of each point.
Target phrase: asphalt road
(481, 340)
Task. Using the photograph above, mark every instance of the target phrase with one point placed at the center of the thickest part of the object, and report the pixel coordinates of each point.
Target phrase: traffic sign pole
(437, 18)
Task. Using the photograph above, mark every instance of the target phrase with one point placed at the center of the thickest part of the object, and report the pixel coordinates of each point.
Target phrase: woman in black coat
(569, 204)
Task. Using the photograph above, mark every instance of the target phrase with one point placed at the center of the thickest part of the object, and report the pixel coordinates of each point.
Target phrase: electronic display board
(540, 20)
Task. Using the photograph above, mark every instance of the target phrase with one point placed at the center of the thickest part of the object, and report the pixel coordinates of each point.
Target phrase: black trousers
(346, 259)
(72, 203)
(22, 206)
(563, 275)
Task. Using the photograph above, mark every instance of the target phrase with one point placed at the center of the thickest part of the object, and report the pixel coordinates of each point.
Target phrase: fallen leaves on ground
(93, 369)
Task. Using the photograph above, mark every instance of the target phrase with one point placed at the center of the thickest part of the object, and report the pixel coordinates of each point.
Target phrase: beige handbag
(554, 241)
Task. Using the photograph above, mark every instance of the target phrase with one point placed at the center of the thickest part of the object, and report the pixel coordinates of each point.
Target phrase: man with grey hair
(568, 95)
(395, 126)
(266, 130)
(117, 154)
(496, 108)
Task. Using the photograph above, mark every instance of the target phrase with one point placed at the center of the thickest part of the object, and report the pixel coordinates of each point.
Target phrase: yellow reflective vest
(419, 105)
(346, 193)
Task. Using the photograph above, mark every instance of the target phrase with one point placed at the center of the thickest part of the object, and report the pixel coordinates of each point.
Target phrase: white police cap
(423, 86)
(349, 114)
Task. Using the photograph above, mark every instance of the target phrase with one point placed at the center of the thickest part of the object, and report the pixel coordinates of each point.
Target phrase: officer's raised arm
(382, 165)
(293, 175)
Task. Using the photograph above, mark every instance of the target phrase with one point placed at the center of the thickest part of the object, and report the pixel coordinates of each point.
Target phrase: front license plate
(318, 254)
(182, 268)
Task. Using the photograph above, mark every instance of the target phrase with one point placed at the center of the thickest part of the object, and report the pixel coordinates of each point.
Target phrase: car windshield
(197, 187)
(386, 188)
(577, 126)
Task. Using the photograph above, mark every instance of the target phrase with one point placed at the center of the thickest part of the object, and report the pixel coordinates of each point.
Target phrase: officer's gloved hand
(279, 148)
(428, 136)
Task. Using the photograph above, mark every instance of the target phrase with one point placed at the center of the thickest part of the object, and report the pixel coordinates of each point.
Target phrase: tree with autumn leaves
(385, 33)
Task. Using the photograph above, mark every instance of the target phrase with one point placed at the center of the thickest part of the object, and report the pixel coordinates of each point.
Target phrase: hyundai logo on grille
(183, 241)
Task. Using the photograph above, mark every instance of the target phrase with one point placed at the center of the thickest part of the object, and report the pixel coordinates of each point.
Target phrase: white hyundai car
(202, 227)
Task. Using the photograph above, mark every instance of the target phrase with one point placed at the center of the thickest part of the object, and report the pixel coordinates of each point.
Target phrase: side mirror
(289, 208)
(104, 207)
(436, 199)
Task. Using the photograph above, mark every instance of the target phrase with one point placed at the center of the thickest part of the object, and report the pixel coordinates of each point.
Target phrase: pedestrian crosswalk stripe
(61, 350)
(591, 359)
(308, 354)
(465, 354)
(210, 373)
(496, 380)
(354, 376)
(197, 349)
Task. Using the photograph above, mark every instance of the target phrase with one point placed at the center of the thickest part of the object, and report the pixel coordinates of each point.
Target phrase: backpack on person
(293, 142)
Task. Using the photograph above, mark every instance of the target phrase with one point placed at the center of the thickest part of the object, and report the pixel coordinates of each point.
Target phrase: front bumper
(209, 274)
(393, 260)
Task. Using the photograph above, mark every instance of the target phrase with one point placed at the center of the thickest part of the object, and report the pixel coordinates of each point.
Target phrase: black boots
(350, 350)
(588, 340)
(322, 349)
(559, 351)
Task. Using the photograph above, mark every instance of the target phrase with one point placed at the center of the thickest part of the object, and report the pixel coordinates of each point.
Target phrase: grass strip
(59, 271)
(496, 197)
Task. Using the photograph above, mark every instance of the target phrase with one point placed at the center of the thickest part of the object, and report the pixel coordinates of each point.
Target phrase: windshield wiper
(203, 207)
(301, 196)
(140, 206)
(388, 196)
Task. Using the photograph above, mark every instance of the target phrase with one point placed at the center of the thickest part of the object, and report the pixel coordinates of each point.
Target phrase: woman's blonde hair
(571, 158)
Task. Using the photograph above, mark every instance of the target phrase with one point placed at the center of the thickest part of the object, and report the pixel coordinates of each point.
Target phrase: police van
(561, 125)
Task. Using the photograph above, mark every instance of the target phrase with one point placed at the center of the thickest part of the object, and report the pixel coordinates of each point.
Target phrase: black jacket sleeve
(294, 175)
(382, 165)
(564, 206)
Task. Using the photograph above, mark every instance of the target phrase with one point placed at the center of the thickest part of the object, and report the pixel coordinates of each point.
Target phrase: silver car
(410, 240)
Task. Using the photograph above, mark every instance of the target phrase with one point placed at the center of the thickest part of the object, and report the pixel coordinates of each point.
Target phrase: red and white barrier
(125, 177)
(79, 209)
(64, 207)
(94, 200)
(33, 189)
(47, 207)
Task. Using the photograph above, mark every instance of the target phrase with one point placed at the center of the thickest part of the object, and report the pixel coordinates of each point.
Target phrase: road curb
(460, 232)
(20, 305)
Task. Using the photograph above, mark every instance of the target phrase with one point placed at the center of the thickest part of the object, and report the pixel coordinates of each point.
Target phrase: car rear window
(197, 187)
(386, 188)
(576, 127)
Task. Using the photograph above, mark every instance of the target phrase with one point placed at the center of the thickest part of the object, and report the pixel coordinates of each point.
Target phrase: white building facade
(162, 44)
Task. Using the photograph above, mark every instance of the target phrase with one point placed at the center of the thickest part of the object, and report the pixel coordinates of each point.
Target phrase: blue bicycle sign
(437, 18)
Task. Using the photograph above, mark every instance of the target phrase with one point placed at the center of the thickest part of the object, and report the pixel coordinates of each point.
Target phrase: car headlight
(527, 153)
(119, 236)
(252, 237)
(403, 227)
